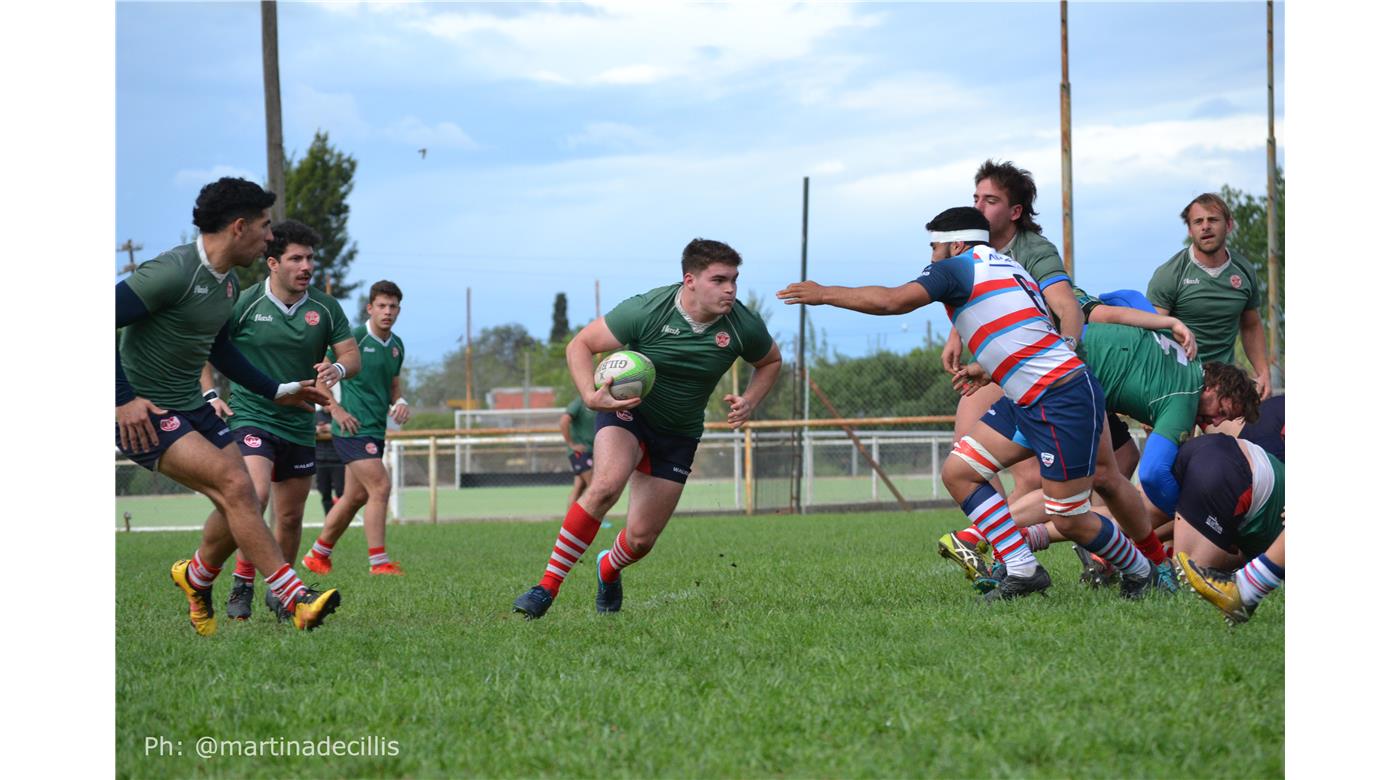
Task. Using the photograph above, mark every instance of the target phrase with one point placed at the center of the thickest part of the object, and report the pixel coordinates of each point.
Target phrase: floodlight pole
(470, 404)
(1066, 167)
(1275, 311)
(801, 375)
(272, 100)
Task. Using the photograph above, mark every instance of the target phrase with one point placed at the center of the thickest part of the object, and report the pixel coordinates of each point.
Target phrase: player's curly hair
(222, 202)
(701, 253)
(385, 287)
(289, 231)
(1019, 187)
(1233, 386)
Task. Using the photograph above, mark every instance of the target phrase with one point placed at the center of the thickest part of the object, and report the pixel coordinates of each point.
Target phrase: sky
(568, 143)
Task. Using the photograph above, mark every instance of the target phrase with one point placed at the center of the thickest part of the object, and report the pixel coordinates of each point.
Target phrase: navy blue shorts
(174, 424)
(664, 455)
(581, 461)
(358, 447)
(289, 459)
(1061, 428)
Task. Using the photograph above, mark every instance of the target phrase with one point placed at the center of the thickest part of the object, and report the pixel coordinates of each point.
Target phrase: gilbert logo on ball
(252, 441)
(632, 374)
(312, 318)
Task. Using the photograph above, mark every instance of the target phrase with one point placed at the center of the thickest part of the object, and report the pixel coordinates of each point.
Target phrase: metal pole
(801, 374)
(130, 249)
(1275, 311)
(432, 479)
(1066, 176)
(272, 99)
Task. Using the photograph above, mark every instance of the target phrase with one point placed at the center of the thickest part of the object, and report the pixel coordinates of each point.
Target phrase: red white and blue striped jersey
(997, 307)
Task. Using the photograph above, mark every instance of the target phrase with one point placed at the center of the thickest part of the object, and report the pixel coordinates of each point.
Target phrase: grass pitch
(831, 646)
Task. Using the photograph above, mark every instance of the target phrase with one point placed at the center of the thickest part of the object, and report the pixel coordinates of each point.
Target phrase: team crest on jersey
(623, 414)
(312, 318)
(721, 339)
(252, 441)
(394, 352)
(228, 289)
(1236, 281)
(1048, 459)
(170, 424)
(370, 448)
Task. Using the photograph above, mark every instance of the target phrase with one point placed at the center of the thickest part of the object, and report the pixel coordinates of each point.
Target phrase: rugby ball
(632, 374)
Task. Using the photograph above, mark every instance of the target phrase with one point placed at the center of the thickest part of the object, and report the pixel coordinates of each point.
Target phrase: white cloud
(415, 132)
(610, 135)
(198, 177)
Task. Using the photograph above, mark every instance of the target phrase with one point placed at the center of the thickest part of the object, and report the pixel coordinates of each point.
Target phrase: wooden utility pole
(1066, 166)
(130, 249)
(799, 448)
(1275, 311)
(272, 101)
(470, 403)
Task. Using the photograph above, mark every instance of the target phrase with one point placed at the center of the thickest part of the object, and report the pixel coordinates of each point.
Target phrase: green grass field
(482, 503)
(820, 646)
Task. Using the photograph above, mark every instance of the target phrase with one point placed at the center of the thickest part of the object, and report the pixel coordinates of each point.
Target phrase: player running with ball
(1054, 399)
(693, 332)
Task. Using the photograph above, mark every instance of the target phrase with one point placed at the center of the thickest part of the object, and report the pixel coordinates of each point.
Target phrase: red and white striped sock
(244, 570)
(200, 574)
(970, 535)
(577, 532)
(618, 558)
(377, 556)
(322, 549)
(285, 585)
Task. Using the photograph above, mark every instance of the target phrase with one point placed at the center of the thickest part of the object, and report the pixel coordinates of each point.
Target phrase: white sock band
(977, 457)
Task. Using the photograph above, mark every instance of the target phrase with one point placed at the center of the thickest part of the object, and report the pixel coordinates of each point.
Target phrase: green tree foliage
(1250, 240)
(559, 331)
(318, 188)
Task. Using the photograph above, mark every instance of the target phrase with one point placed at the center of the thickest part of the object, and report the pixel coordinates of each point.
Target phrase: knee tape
(1076, 504)
(977, 457)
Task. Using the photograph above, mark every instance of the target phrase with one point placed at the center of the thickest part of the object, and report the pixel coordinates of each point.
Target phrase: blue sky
(573, 142)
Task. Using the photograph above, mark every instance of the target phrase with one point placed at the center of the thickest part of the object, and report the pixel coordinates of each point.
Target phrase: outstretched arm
(867, 300)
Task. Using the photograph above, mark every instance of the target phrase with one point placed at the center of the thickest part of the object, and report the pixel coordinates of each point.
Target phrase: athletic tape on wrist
(286, 388)
(401, 402)
(211, 394)
(339, 368)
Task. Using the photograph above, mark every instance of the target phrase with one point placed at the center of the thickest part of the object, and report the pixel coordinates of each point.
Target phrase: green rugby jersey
(689, 359)
(284, 342)
(1145, 375)
(1209, 305)
(163, 354)
(1038, 256)
(581, 422)
(366, 394)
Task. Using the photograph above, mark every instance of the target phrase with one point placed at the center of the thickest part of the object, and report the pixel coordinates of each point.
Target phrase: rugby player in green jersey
(174, 310)
(357, 431)
(577, 424)
(1214, 293)
(693, 332)
(285, 327)
(1006, 196)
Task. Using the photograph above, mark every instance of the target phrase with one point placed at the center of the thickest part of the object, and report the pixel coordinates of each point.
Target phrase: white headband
(949, 236)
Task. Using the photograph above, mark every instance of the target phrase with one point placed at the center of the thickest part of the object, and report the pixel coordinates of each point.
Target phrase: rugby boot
(609, 598)
(240, 599)
(275, 604)
(533, 603)
(1164, 578)
(311, 607)
(984, 584)
(1097, 572)
(964, 555)
(391, 568)
(1013, 587)
(1134, 588)
(201, 599)
(1221, 592)
(315, 564)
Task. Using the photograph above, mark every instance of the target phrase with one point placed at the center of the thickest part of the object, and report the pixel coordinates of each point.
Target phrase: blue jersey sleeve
(1155, 472)
(948, 281)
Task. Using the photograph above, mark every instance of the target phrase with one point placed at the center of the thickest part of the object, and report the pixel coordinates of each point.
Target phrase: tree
(1250, 240)
(560, 329)
(318, 186)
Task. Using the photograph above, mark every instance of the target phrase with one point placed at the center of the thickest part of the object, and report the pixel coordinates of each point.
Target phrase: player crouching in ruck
(1056, 403)
(693, 332)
